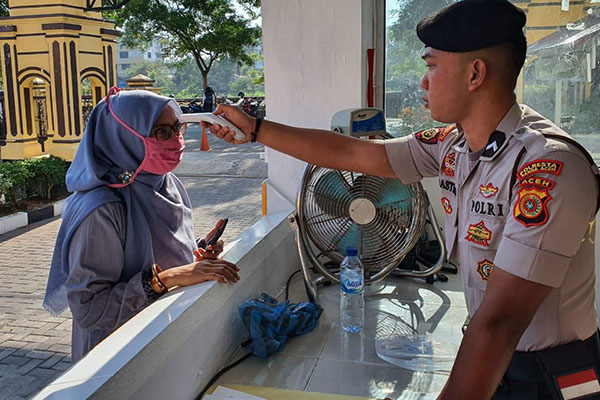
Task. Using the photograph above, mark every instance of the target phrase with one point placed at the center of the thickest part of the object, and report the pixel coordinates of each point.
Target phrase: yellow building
(142, 82)
(50, 50)
(563, 37)
(546, 17)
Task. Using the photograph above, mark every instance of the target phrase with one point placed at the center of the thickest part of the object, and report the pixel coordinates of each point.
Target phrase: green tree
(205, 30)
(404, 66)
(249, 80)
(225, 77)
(157, 70)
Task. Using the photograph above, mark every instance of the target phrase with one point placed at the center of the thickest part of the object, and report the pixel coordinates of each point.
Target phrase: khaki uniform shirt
(535, 222)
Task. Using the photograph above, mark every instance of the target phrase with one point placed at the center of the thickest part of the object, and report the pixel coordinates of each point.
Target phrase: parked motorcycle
(249, 106)
(194, 106)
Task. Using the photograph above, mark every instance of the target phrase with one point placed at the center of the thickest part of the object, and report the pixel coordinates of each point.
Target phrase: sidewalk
(35, 346)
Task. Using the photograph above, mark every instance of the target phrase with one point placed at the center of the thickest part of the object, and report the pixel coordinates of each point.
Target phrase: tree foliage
(205, 30)
(4, 8)
(183, 80)
(157, 70)
(404, 66)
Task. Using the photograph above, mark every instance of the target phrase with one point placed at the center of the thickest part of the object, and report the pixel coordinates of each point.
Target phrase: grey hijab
(158, 209)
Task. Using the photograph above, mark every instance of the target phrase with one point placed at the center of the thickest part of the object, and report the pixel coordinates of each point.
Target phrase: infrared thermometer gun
(212, 119)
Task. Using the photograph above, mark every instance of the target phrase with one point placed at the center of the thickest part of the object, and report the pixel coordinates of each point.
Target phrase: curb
(24, 218)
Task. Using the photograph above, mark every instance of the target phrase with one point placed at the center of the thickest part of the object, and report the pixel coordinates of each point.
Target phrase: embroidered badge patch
(479, 234)
(485, 268)
(447, 205)
(539, 166)
(530, 208)
(445, 131)
(538, 182)
(449, 164)
(488, 190)
(429, 136)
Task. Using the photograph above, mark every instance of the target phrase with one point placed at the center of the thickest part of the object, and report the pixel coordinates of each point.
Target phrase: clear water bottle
(352, 302)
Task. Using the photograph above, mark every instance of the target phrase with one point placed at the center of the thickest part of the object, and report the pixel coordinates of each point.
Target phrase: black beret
(470, 25)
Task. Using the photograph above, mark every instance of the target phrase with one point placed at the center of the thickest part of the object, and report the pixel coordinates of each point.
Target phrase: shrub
(47, 173)
(5, 185)
(19, 175)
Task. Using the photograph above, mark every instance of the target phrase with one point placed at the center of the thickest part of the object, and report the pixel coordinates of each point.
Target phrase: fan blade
(396, 195)
(350, 238)
(329, 192)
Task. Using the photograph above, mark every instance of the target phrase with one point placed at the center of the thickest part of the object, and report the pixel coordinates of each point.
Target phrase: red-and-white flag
(579, 384)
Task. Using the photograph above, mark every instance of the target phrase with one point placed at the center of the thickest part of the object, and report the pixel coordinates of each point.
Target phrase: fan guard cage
(382, 217)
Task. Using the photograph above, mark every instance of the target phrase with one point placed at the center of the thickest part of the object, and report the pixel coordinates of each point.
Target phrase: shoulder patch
(429, 136)
(449, 164)
(538, 167)
(530, 208)
(445, 131)
(538, 182)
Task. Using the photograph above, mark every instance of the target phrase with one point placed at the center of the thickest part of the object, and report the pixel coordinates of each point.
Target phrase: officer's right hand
(236, 116)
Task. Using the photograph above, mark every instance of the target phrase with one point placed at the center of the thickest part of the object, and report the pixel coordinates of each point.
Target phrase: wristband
(147, 277)
(256, 128)
(155, 271)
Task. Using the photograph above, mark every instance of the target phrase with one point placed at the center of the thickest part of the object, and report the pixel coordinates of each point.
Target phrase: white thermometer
(211, 118)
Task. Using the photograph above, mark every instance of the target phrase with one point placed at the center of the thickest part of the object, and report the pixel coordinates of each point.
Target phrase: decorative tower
(58, 60)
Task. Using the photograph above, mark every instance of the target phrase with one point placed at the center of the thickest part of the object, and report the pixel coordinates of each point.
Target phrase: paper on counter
(223, 393)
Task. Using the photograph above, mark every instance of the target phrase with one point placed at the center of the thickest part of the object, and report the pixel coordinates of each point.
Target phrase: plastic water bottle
(352, 302)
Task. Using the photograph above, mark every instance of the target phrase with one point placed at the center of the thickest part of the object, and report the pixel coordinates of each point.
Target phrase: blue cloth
(159, 215)
(270, 323)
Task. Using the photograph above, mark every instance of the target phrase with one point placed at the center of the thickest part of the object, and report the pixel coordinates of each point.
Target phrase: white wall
(315, 65)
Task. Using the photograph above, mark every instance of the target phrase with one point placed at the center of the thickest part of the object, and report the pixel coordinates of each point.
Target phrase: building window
(149, 54)
(404, 67)
(560, 79)
(124, 54)
(125, 66)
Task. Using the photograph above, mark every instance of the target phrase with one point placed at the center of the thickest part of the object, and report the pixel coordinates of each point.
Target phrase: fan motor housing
(359, 122)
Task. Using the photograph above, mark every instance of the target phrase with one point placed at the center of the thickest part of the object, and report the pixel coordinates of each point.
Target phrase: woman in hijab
(127, 230)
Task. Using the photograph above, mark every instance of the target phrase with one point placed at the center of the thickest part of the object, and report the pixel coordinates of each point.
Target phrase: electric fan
(382, 217)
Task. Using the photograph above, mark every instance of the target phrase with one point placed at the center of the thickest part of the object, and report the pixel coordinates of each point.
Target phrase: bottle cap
(351, 251)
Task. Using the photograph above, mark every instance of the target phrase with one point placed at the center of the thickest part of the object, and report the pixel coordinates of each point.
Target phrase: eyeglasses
(165, 132)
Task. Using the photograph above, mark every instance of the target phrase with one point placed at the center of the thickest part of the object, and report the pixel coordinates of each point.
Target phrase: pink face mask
(163, 156)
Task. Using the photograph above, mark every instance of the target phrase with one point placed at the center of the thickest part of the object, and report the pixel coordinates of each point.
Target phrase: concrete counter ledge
(172, 348)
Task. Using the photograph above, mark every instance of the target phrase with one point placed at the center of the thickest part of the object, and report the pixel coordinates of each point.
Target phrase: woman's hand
(211, 252)
(201, 271)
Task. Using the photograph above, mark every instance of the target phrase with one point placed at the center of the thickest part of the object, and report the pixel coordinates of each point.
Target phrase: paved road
(35, 346)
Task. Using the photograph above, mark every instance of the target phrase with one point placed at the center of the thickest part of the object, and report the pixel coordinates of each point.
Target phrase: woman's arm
(97, 298)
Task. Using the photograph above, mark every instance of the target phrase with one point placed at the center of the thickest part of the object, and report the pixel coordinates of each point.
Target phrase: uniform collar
(499, 138)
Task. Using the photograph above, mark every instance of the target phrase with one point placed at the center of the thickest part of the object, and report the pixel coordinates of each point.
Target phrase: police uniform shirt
(534, 220)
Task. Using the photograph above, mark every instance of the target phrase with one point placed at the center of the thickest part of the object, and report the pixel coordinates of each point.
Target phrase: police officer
(520, 198)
